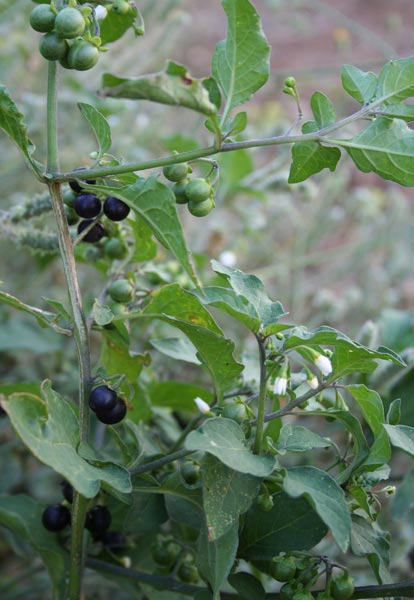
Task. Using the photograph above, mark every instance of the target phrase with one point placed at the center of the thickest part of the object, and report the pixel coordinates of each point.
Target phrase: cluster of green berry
(197, 193)
(56, 517)
(82, 204)
(69, 35)
(299, 573)
(171, 557)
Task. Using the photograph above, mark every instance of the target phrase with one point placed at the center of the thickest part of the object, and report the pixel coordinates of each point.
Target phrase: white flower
(228, 258)
(202, 406)
(324, 364)
(312, 382)
(280, 385)
(100, 12)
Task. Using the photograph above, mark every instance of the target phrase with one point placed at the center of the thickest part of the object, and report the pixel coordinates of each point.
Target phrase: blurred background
(335, 250)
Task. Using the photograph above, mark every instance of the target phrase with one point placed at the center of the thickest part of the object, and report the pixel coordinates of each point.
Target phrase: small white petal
(313, 382)
(100, 12)
(324, 364)
(202, 406)
(228, 258)
(280, 386)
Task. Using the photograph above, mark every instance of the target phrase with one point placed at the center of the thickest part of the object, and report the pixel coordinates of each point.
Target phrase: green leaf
(359, 84)
(369, 541)
(240, 62)
(146, 513)
(394, 412)
(226, 495)
(154, 203)
(50, 429)
(322, 109)
(115, 25)
(100, 127)
(43, 317)
(395, 81)
(145, 247)
(397, 111)
(309, 158)
(384, 147)
(292, 524)
(295, 438)
(401, 436)
(360, 448)
(404, 498)
(19, 334)
(224, 439)
(178, 348)
(239, 123)
(325, 495)
(23, 515)
(215, 558)
(247, 300)
(102, 313)
(177, 395)
(247, 586)
(11, 121)
(174, 85)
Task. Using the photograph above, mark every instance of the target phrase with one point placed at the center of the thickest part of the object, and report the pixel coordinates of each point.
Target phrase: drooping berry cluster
(197, 193)
(107, 405)
(69, 35)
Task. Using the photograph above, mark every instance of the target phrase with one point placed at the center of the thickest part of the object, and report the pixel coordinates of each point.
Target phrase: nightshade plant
(207, 499)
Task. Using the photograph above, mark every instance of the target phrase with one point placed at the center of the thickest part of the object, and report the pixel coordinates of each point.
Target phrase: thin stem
(257, 448)
(52, 143)
(77, 554)
(160, 462)
(294, 403)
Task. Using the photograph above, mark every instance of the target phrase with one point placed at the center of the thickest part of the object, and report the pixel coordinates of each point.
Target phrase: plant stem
(160, 462)
(257, 448)
(79, 327)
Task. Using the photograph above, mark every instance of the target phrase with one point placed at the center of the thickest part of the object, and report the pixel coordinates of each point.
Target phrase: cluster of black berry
(107, 405)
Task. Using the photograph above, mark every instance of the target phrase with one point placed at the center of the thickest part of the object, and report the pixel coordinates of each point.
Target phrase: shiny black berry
(103, 399)
(114, 415)
(114, 541)
(56, 517)
(67, 491)
(115, 209)
(98, 520)
(76, 187)
(87, 205)
(96, 233)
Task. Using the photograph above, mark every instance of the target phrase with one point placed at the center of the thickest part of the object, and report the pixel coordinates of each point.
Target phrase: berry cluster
(197, 193)
(69, 35)
(170, 556)
(107, 405)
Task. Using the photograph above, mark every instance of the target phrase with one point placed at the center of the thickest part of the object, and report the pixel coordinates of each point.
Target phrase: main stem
(79, 328)
(260, 421)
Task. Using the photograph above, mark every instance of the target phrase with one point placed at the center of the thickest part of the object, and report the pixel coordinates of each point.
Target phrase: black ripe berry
(67, 491)
(114, 541)
(103, 398)
(114, 415)
(96, 233)
(87, 205)
(56, 517)
(76, 187)
(115, 209)
(98, 520)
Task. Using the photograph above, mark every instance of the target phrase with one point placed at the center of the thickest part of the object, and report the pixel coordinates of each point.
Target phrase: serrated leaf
(309, 158)
(172, 86)
(292, 524)
(295, 438)
(326, 497)
(23, 515)
(322, 109)
(240, 62)
(114, 25)
(395, 81)
(224, 439)
(368, 541)
(227, 494)
(49, 427)
(154, 203)
(384, 147)
(215, 558)
(99, 126)
(359, 84)
(11, 122)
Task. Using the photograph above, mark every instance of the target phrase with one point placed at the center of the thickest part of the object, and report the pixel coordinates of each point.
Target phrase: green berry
(42, 18)
(287, 591)
(121, 290)
(264, 502)
(166, 554)
(283, 568)
(121, 7)
(69, 197)
(52, 47)
(201, 209)
(302, 596)
(115, 248)
(82, 55)
(236, 411)
(69, 23)
(342, 587)
(188, 573)
(198, 190)
(176, 172)
(190, 472)
(178, 190)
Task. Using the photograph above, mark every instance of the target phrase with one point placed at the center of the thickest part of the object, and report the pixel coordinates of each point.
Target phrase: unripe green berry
(190, 472)
(178, 190)
(201, 209)
(42, 18)
(176, 172)
(52, 47)
(82, 55)
(69, 23)
(121, 291)
(115, 248)
(121, 7)
(236, 411)
(198, 190)
(342, 587)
